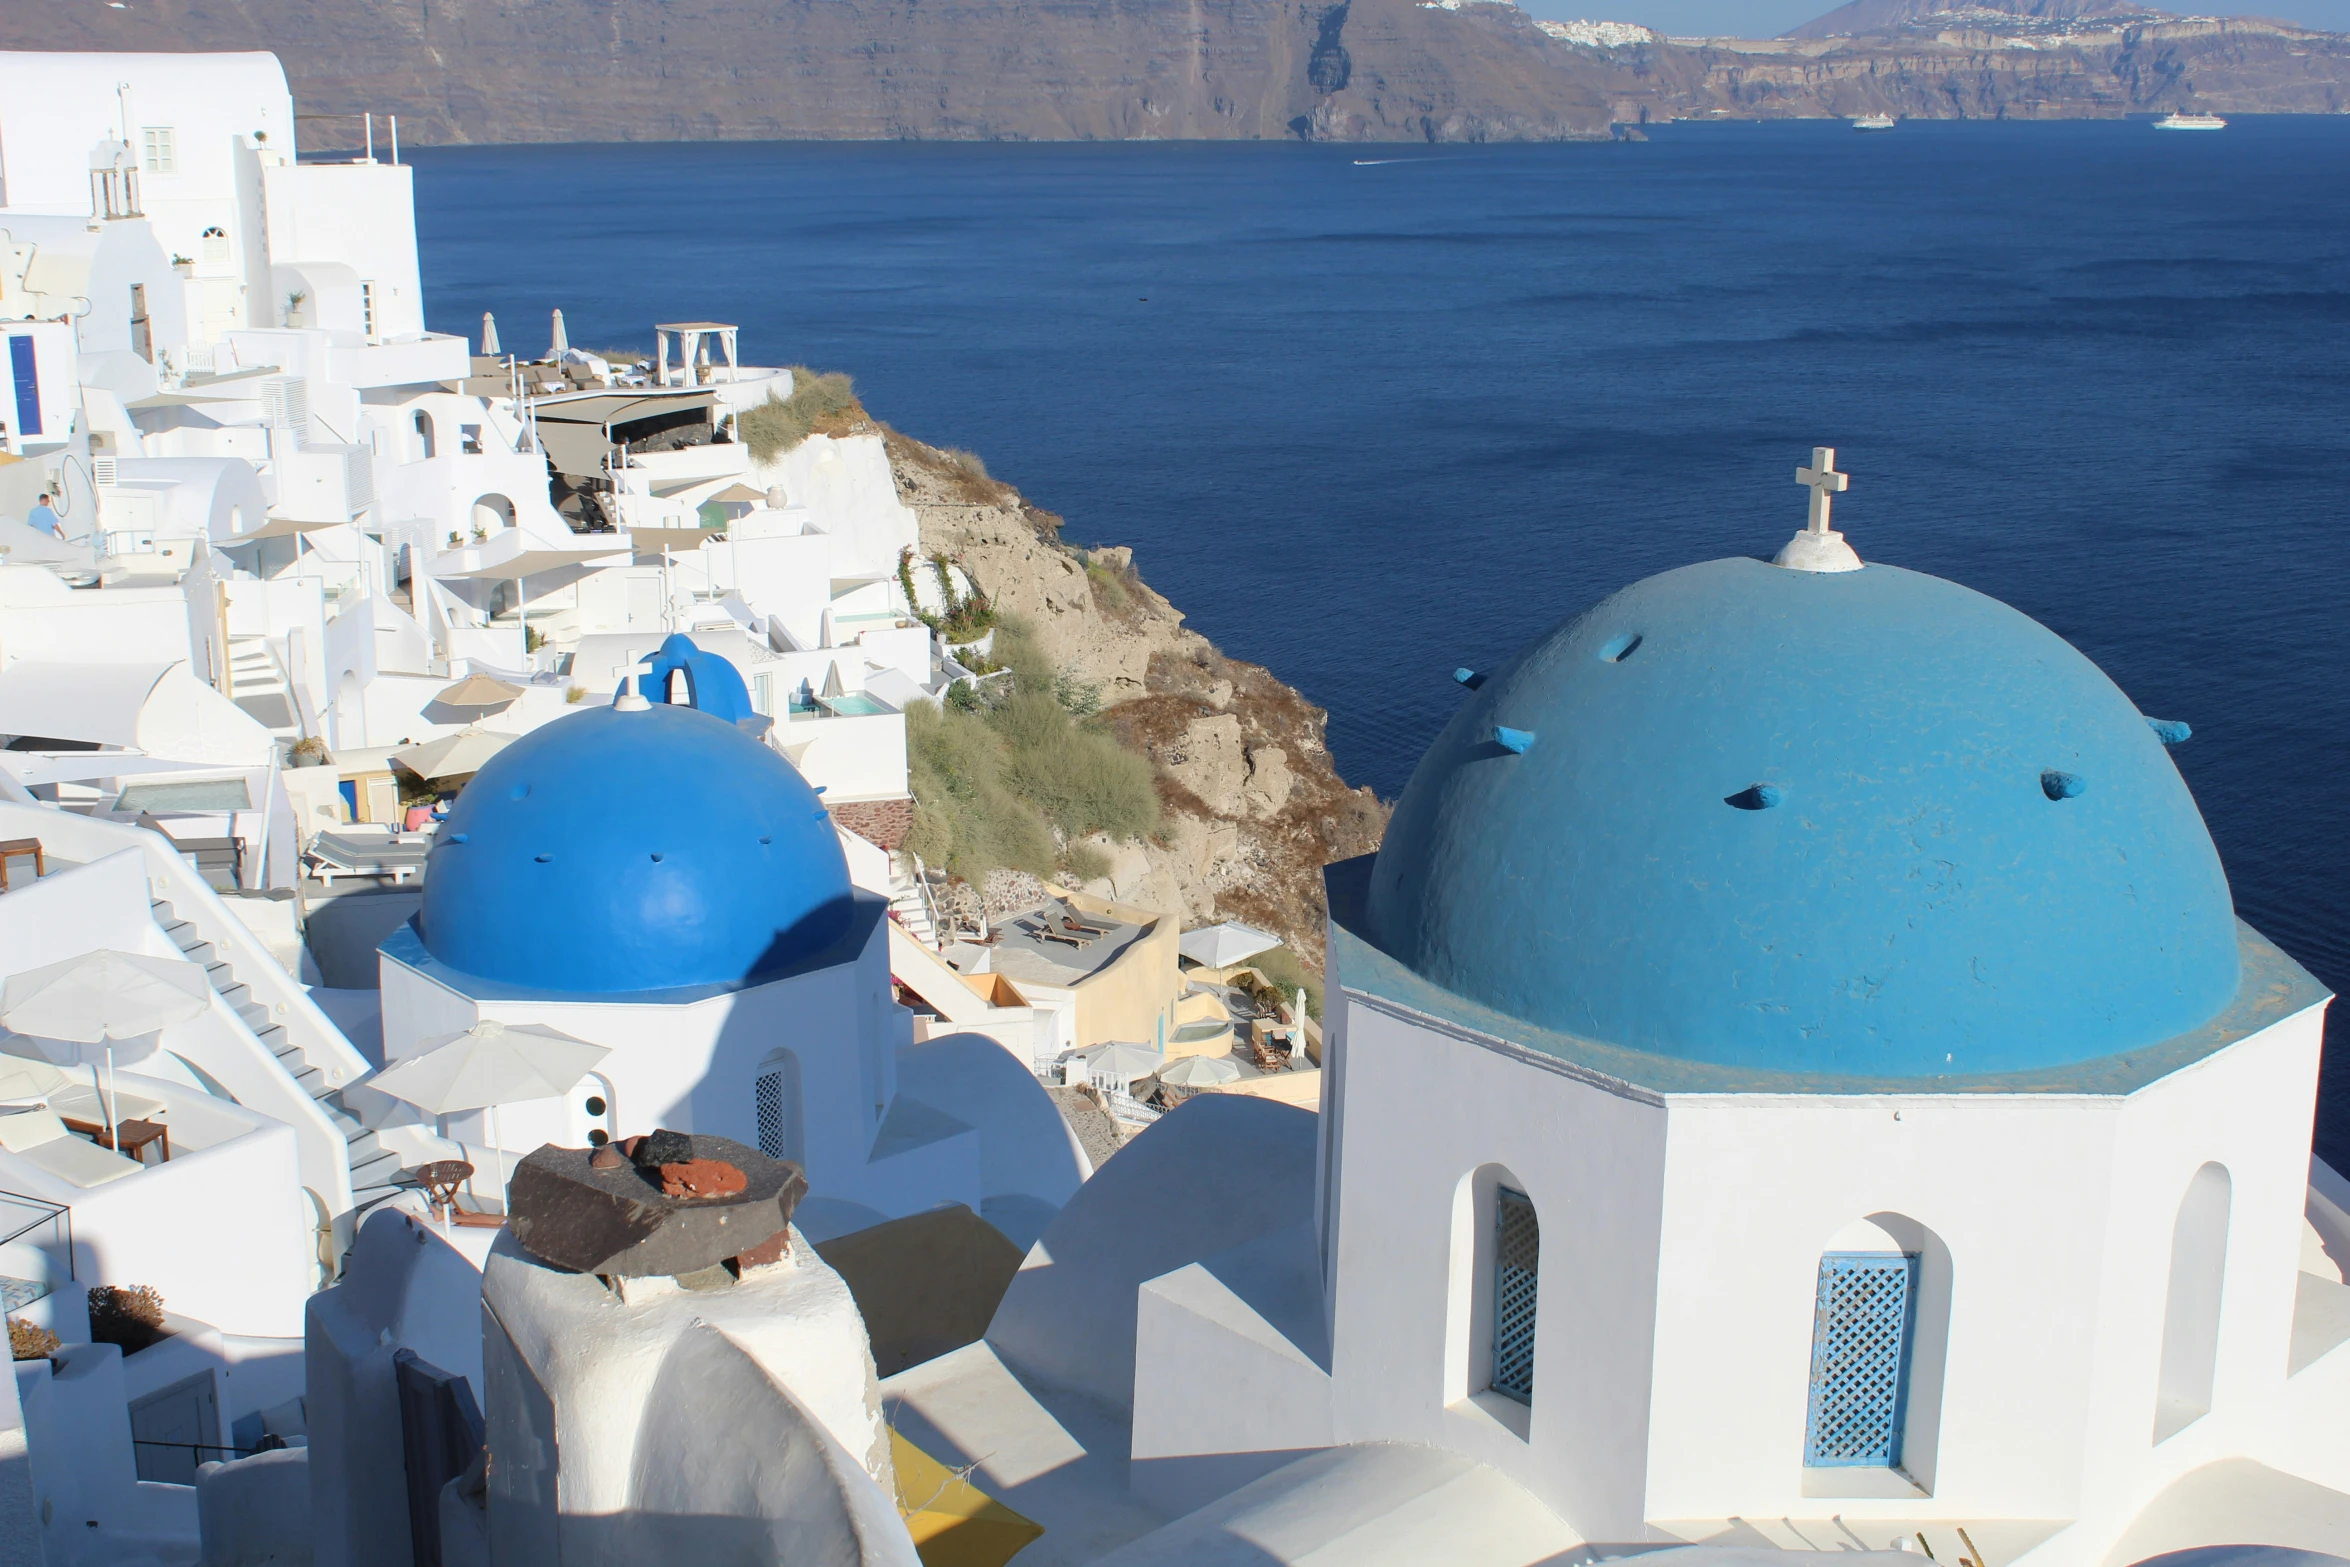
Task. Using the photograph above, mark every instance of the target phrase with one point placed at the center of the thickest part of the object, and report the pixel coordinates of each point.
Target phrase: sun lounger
(39, 1138)
(336, 854)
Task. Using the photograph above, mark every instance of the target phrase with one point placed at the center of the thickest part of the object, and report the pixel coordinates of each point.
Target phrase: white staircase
(909, 899)
(258, 682)
(373, 1168)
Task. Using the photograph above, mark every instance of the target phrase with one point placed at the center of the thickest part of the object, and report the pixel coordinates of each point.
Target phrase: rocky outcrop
(1253, 805)
(685, 70)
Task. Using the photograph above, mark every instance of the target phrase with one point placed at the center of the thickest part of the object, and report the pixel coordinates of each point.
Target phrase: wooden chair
(17, 849)
(441, 1180)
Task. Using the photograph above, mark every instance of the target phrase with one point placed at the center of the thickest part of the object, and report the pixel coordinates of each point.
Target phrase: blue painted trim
(1826, 1412)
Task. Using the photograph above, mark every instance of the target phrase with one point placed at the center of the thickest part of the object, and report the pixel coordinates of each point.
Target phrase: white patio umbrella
(79, 1011)
(479, 690)
(490, 1064)
(453, 756)
(1123, 1064)
(560, 342)
(1201, 1072)
(1221, 946)
(489, 336)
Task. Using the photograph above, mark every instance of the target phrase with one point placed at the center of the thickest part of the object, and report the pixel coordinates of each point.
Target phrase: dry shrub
(29, 1341)
(129, 1315)
(820, 404)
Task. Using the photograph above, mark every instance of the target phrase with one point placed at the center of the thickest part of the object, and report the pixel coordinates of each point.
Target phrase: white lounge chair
(38, 1137)
(340, 854)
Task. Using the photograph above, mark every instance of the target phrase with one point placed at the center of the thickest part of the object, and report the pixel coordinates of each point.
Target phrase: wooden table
(131, 1139)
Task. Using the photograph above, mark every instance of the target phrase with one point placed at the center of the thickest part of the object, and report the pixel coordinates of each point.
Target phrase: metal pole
(395, 141)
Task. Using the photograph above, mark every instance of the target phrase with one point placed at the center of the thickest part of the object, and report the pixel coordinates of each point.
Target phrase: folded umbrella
(453, 756)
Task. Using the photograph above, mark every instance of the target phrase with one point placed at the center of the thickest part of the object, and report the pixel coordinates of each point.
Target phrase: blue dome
(1864, 824)
(614, 851)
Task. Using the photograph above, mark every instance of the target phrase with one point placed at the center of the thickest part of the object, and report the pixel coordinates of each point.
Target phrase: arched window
(777, 1107)
(1880, 1340)
(424, 439)
(214, 246)
(1493, 1296)
(2190, 1318)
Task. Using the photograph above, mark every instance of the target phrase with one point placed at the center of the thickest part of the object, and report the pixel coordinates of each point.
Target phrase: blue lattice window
(1861, 1332)
(1517, 1273)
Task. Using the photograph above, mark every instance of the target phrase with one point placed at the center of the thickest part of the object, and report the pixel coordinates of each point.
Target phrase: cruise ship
(2190, 122)
(1872, 122)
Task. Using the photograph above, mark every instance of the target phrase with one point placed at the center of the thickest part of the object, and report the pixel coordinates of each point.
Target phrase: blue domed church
(1795, 1058)
(655, 878)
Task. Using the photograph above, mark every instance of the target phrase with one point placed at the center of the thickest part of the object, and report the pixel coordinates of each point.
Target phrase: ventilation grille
(1860, 1360)
(767, 1102)
(102, 471)
(358, 477)
(1517, 1273)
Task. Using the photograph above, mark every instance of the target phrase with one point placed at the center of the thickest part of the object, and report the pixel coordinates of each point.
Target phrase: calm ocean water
(1366, 423)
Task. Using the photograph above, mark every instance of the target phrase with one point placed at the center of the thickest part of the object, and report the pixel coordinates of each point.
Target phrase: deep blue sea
(1367, 422)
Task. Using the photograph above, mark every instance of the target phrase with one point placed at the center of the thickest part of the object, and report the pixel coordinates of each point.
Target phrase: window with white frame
(214, 246)
(159, 150)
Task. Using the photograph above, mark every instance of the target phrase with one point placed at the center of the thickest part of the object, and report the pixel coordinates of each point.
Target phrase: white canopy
(1221, 946)
(1122, 1064)
(490, 1064)
(160, 709)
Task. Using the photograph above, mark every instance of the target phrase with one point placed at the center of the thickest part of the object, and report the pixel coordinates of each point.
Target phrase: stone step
(310, 1079)
(373, 1170)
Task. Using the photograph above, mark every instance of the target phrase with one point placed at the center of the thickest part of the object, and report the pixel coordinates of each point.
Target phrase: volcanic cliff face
(2022, 59)
(666, 70)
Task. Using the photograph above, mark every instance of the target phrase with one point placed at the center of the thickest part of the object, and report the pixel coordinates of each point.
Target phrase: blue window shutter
(1517, 1273)
(28, 385)
(1861, 1331)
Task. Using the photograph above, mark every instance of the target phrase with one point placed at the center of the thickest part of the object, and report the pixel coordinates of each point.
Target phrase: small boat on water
(2190, 122)
(1872, 122)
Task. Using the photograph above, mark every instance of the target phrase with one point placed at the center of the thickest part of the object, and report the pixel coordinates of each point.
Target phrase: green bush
(1083, 862)
(1287, 974)
(779, 424)
(992, 782)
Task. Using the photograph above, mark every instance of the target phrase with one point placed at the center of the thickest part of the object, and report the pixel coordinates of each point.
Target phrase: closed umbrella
(79, 1011)
(559, 342)
(489, 336)
(453, 756)
(490, 1064)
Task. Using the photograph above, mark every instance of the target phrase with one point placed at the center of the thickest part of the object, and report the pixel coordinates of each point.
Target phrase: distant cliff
(1324, 70)
(2021, 59)
(669, 70)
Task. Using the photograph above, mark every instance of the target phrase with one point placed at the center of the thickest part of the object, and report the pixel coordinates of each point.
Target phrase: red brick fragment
(701, 1178)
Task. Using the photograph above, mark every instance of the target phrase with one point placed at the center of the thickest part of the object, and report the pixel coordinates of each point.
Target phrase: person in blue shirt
(45, 519)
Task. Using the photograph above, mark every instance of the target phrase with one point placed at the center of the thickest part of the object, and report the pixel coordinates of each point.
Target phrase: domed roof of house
(619, 851)
(1858, 823)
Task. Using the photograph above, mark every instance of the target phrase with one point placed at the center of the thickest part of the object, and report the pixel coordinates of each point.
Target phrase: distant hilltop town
(1353, 70)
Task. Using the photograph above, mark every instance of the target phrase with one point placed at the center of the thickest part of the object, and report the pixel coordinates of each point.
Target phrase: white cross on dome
(1819, 547)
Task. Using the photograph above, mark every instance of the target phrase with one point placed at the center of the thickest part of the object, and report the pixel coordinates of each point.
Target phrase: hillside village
(604, 959)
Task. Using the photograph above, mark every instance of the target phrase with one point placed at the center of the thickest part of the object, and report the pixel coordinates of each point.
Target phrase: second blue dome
(613, 851)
